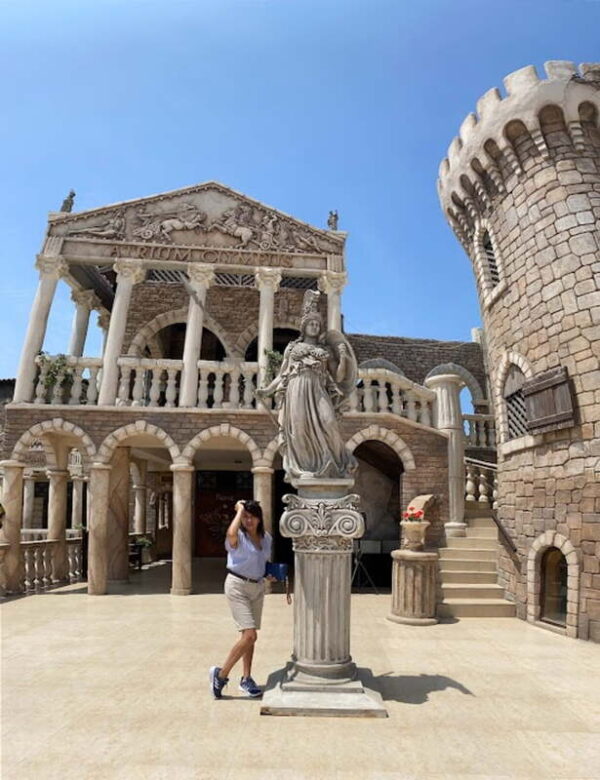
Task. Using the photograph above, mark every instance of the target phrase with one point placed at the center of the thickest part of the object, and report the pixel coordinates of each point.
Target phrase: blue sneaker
(250, 688)
(216, 683)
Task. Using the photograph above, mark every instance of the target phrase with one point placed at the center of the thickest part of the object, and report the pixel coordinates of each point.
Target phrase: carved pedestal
(414, 587)
(321, 679)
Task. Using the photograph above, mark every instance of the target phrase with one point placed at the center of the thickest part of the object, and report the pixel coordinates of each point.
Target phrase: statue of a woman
(317, 374)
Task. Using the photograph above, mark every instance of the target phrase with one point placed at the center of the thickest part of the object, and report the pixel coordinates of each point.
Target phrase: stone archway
(225, 430)
(534, 578)
(44, 432)
(387, 436)
(507, 359)
(139, 428)
(147, 333)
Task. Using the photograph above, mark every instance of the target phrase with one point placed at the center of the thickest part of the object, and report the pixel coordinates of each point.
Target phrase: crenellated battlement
(486, 154)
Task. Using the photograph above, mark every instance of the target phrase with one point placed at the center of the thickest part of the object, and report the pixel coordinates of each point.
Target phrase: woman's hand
(240, 507)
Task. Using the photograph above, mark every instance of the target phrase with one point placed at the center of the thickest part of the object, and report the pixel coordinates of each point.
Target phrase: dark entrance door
(216, 496)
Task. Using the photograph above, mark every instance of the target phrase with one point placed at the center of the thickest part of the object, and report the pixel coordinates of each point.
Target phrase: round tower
(521, 190)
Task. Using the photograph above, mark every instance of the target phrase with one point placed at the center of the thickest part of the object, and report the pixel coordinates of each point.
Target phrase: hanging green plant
(274, 361)
(55, 367)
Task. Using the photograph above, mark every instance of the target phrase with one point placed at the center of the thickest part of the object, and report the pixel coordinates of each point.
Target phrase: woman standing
(248, 548)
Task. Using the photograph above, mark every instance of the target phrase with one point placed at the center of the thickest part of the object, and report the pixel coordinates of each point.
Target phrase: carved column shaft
(268, 280)
(12, 501)
(181, 584)
(28, 500)
(200, 280)
(51, 269)
(84, 300)
(98, 529)
(332, 284)
(118, 517)
(263, 493)
(77, 502)
(57, 523)
(139, 488)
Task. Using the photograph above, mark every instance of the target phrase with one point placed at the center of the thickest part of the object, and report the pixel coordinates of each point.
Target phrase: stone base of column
(414, 578)
(348, 699)
(455, 529)
(180, 591)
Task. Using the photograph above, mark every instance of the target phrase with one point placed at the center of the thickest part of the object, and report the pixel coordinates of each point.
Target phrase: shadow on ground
(410, 689)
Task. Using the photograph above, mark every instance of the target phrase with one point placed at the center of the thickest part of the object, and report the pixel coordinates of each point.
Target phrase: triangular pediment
(205, 215)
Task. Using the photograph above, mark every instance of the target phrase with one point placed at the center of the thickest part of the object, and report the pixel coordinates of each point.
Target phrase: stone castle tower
(521, 190)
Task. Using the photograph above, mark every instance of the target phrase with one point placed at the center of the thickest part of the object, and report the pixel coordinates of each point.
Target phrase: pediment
(205, 215)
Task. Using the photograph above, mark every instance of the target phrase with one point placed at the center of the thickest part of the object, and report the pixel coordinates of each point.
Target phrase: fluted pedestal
(321, 679)
(414, 587)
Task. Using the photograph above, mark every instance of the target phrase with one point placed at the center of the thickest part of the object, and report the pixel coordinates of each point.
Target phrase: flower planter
(413, 534)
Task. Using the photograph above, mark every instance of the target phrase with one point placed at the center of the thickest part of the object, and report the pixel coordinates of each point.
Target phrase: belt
(241, 576)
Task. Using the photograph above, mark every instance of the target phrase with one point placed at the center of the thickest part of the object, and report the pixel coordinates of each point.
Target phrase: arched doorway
(553, 590)
(281, 338)
(172, 338)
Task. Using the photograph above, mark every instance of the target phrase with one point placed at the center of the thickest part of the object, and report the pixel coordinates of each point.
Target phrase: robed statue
(317, 375)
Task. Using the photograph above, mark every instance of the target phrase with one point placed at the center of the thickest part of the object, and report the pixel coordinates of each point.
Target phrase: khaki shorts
(245, 601)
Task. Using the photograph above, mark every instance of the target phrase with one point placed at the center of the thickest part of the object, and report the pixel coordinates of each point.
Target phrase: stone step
(469, 590)
(480, 522)
(473, 554)
(451, 607)
(462, 576)
(481, 533)
(471, 543)
(462, 564)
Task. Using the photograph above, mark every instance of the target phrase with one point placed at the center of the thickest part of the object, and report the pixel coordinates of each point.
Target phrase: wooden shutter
(548, 401)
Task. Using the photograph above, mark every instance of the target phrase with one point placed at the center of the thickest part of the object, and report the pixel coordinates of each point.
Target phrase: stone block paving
(116, 687)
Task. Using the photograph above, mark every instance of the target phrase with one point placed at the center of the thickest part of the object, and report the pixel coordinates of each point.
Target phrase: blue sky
(307, 105)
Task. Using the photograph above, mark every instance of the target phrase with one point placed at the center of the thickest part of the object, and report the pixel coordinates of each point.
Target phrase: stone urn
(413, 534)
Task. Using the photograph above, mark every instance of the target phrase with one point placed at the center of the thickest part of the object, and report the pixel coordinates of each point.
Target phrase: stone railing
(67, 380)
(480, 430)
(225, 384)
(148, 382)
(37, 563)
(40, 534)
(384, 392)
(481, 483)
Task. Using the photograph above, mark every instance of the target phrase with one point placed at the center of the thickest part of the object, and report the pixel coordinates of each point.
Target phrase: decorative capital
(129, 270)
(322, 524)
(85, 298)
(268, 277)
(332, 281)
(51, 266)
(103, 319)
(200, 275)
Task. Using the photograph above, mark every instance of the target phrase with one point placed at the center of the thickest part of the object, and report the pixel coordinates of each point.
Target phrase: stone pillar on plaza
(51, 269)
(139, 471)
(332, 283)
(267, 280)
(263, 493)
(118, 517)
(84, 301)
(28, 499)
(12, 501)
(98, 528)
(57, 522)
(128, 274)
(181, 584)
(78, 483)
(448, 416)
(201, 277)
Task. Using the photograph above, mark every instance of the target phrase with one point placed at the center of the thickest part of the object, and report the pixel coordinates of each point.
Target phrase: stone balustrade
(148, 382)
(380, 391)
(37, 563)
(226, 384)
(480, 430)
(481, 483)
(67, 380)
(39, 534)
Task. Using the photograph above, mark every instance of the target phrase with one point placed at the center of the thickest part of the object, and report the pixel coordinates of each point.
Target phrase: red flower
(410, 508)
(405, 514)
(420, 513)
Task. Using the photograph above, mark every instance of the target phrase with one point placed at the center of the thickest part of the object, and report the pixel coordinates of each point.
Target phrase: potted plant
(414, 526)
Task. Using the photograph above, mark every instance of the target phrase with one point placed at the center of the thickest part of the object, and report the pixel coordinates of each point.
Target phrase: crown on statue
(310, 307)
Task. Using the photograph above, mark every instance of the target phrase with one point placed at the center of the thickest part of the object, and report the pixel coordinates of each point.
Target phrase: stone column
(448, 418)
(12, 501)
(181, 584)
(57, 523)
(98, 528)
(414, 587)
(51, 269)
(103, 323)
(77, 501)
(84, 301)
(263, 493)
(118, 517)
(332, 283)
(128, 273)
(139, 492)
(28, 499)
(201, 276)
(267, 280)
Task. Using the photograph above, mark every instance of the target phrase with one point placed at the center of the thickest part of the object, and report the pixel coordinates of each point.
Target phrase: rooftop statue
(332, 220)
(317, 375)
(67, 204)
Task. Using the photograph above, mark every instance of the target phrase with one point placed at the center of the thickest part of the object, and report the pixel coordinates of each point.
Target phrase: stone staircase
(468, 572)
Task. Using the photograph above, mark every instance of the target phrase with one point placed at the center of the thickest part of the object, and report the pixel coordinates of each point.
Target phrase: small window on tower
(515, 402)
(490, 258)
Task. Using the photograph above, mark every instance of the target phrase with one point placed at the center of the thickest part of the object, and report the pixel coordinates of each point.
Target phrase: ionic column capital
(54, 267)
(332, 281)
(129, 270)
(267, 278)
(85, 298)
(200, 275)
(57, 474)
(103, 319)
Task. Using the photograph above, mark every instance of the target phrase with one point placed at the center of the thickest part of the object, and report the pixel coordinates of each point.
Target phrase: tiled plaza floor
(116, 687)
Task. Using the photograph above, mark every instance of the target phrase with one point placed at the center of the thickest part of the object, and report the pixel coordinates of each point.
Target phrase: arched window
(553, 594)
(515, 402)
(489, 254)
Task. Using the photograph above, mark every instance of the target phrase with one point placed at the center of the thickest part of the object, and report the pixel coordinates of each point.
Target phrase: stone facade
(521, 189)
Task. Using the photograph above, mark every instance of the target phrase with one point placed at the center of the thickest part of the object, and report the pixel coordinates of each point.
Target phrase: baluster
(411, 406)
(396, 401)
(248, 385)
(154, 394)
(203, 389)
(368, 399)
(57, 390)
(28, 566)
(484, 487)
(47, 556)
(71, 557)
(137, 391)
(382, 399)
(492, 434)
(218, 392)
(470, 484)
(41, 390)
(425, 412)
(74, 399)
(234, 388)
(123, 394)
(354, 400)
(92, 388)
(495, 491)
(171, 391)
(39, 567)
